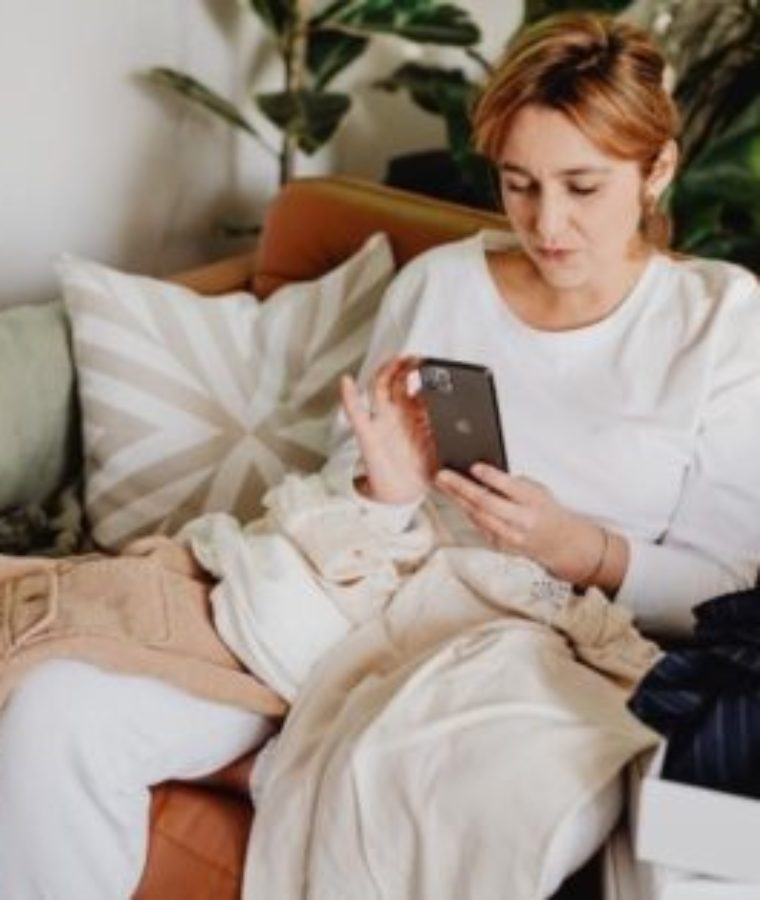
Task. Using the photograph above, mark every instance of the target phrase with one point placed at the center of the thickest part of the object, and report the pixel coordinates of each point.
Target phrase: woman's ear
(663, 171)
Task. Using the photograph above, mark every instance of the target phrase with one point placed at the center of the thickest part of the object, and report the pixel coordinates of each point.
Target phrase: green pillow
(38, 425)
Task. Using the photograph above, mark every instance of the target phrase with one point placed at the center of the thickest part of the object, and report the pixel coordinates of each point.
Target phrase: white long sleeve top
(647, 421)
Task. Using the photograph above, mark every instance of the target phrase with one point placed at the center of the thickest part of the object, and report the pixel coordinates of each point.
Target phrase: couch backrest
(315, 223)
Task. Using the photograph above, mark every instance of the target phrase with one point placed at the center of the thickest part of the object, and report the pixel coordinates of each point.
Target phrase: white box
(693, 828)
(626, 878)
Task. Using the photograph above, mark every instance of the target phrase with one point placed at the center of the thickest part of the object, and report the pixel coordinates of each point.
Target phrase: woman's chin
(564, 277)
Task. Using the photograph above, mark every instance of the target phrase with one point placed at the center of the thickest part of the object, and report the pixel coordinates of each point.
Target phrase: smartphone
(464, 414)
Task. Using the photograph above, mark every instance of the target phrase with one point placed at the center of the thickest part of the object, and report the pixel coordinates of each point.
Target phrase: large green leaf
(730, 171)
(421, 21)
(333, 12)
(429, 86)
(696, 223)
(197, 92)
(277, 15)
(747, 121)
(728, 167)
(329, 52)
(539, 9)
(456, 115)
(710, 103)
(311, 116)
(739, 246)
(440, 91)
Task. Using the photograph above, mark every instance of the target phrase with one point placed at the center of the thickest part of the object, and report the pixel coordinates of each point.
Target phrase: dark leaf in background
(456, 115)
(428, 85)
(728, 170)
(333, 12)
(714, 47)
(435, 173)
(329, 52)
(728, 243)
(716, 199)
(701, 225)
(421, 21)
(277, 15)
(443, 92)
(539, 9)
(193, 90)
(312, 117)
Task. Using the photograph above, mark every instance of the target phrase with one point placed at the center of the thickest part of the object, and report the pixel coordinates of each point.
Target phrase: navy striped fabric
(705, 698)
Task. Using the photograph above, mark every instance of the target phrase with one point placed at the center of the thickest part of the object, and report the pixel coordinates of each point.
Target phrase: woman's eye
(518, 188)
(583, 190)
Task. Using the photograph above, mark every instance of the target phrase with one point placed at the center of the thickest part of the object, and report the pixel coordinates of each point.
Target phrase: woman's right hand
(394, 433)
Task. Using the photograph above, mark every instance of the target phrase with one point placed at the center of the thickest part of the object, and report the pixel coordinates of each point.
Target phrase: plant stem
(295, 70)
(478, 57)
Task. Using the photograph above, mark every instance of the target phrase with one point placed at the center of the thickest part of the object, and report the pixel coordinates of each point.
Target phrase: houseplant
(315, 44)
(714, 48)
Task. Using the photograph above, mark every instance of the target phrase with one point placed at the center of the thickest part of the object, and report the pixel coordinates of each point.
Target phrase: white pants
(79, 748)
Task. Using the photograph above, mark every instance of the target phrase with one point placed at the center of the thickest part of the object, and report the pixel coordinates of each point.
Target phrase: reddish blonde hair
(605, 75)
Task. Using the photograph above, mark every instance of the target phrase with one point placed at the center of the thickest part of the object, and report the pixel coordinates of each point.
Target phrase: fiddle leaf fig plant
(315, 46)
(198, 93)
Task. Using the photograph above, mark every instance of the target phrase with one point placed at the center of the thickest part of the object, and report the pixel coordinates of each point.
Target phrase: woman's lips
(555, 254)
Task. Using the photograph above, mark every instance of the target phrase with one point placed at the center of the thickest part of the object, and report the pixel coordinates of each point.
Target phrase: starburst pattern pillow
(193, 404)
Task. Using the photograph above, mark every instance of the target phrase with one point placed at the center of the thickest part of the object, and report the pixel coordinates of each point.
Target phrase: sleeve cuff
(663, 584)
(394, 518)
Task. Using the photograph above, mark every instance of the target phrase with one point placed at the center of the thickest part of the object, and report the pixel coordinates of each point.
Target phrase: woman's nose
(551, 216)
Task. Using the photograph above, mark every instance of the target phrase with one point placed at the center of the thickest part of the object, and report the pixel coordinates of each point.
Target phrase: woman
(628, 380)
(629, 385)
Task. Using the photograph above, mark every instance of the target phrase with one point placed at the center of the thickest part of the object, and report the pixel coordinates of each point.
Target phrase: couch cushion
(37, 402)
(354, 209)
(191, 405)
(198, 843)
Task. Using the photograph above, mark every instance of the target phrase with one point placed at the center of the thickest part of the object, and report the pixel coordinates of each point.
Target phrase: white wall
(95, 163)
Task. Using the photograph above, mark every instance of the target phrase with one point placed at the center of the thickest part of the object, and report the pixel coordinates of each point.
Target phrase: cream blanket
(452, 706)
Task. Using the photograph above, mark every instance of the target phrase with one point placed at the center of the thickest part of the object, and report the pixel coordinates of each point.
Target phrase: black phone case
(464, 414)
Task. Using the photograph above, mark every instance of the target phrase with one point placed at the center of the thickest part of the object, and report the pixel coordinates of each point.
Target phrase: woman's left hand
(521, 516)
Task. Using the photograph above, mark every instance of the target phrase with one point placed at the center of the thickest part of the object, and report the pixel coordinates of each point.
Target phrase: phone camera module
(437, 379)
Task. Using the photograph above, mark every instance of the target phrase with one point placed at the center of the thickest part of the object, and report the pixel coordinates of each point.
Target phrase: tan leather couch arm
(234, 273)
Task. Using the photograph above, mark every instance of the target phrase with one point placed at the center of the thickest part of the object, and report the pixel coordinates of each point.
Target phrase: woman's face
(575, 210)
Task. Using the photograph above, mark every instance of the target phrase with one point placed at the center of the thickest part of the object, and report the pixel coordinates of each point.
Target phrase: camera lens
(436, 378)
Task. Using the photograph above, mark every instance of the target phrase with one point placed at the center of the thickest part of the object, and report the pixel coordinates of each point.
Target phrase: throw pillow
(38, 449)
(193, 404)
